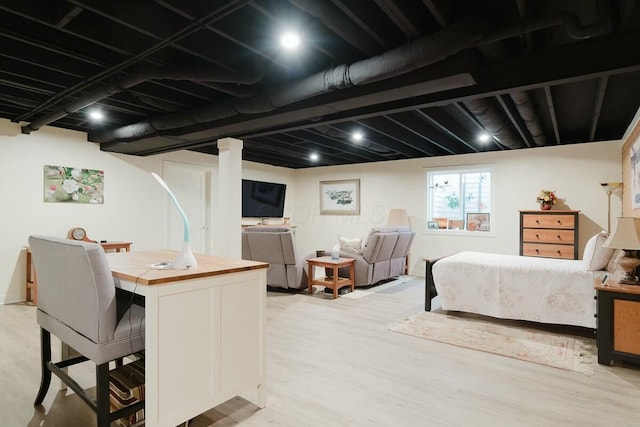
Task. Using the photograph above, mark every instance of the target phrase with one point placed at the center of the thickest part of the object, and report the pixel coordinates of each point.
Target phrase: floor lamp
(398, 218)
(609, 187)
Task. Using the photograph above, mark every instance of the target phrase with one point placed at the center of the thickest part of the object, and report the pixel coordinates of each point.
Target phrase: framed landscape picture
(340, 197)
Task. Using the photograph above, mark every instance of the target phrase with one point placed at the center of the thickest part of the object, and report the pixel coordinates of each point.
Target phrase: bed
(545, 290)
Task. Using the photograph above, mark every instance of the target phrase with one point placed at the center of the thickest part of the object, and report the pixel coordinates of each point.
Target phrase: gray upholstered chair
(383, 255)
(77, 302)
(276, 245)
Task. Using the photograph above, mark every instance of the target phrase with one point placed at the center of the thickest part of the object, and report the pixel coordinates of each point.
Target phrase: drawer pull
(537, 221)
(559, 222)
(559, 253)
(537, 236)
(537, 251)
(559, 238)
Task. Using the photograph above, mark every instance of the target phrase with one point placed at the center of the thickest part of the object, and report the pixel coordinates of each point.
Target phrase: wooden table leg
(335, 282)
(310, 277)
(352, 276)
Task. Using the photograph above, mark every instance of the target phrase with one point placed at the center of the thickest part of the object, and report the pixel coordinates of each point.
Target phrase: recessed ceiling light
(484, 137)
(314, 157)
(357, 136)
(290, 40)
(96, 114)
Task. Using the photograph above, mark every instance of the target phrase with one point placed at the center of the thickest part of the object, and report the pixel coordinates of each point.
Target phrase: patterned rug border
(531, 345)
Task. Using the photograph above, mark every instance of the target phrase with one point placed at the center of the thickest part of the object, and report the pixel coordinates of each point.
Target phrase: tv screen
(262, 199)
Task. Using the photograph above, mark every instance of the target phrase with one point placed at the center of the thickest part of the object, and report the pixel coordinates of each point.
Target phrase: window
(459, 199)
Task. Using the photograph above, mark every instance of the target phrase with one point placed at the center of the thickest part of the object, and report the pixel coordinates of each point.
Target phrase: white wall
(133, 200)
(574, 171)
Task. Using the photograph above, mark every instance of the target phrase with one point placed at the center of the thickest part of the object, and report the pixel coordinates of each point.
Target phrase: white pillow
(596, 256)
(350, 245)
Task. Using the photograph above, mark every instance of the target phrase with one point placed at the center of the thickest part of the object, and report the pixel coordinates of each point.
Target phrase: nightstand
(618, 336)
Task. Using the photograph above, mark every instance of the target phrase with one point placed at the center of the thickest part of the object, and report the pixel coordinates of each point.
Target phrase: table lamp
(626, 236)
(185, 259)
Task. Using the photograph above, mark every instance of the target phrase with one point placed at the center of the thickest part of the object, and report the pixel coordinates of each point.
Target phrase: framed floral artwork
(340, 197)
(478, 222)
(64, 184)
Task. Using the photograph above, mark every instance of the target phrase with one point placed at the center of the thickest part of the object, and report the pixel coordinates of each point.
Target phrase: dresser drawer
(541, 235)
(548, 221)
(548, 250)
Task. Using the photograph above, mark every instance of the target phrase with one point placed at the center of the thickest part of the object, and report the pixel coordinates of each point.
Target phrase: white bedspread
(542, 290)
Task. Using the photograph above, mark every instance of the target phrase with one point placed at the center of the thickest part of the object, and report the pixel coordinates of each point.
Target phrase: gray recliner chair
(383, 255)
(77, 302)
(276, 245)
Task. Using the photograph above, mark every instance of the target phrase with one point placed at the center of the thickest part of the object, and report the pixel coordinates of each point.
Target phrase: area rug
(545, 348)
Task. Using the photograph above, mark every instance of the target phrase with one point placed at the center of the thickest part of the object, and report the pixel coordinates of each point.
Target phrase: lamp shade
(626, 235)
(398, 218)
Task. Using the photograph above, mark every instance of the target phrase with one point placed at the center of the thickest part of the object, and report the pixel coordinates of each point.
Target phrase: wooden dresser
(549, 234)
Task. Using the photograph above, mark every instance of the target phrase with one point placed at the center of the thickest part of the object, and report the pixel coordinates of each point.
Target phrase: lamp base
(629, 282)
(185, 259)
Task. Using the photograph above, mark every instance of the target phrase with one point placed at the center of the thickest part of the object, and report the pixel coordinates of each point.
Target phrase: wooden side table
(334, 282)
(618, 334)
(116, 246)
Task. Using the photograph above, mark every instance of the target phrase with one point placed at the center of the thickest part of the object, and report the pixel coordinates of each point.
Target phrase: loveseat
(382, 256)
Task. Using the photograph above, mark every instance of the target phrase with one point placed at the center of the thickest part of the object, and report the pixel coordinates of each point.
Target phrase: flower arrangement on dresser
(546, 199)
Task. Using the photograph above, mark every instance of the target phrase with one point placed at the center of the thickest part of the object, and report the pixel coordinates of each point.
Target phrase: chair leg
(103, 410)
(45, 358)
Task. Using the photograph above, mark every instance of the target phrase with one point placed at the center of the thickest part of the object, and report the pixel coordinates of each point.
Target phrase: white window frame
(458, 169)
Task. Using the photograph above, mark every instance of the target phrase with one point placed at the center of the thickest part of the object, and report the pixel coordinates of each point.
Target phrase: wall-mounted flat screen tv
(262, 199)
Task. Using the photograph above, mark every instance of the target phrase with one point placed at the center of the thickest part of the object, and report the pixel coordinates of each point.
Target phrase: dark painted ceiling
(418, 78)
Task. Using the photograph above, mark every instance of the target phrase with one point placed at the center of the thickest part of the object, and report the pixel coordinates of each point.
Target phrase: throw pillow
(613, 266)
(596, 256)
(350, 245)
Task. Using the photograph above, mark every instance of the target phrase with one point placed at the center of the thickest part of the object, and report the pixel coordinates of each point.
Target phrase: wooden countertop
(136, 266)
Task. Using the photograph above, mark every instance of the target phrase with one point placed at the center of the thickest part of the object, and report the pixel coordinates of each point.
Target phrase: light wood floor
(334, 363)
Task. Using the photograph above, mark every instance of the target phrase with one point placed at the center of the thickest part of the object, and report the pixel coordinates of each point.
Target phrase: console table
(204, 331)
(618, 333)
(335, 282)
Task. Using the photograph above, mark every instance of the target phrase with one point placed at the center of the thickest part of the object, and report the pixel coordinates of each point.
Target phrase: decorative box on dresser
(549, 234)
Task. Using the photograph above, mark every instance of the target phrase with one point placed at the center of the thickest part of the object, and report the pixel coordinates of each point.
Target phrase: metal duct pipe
(122, 83)
(527, 111)
(576, 31)
(493, 122)
(411, 56)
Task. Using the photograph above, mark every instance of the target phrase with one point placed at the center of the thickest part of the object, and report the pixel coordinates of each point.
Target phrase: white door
(191, 186)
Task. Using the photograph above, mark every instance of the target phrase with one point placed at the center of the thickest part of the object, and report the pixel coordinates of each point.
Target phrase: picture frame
(456, 224)
(433, 225)
(340, 197)
(68, 184)
(478, 221)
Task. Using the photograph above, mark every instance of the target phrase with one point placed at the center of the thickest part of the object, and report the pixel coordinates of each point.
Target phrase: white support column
(229, 223)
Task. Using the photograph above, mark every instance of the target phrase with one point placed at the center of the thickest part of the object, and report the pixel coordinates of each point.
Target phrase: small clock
(78, 233)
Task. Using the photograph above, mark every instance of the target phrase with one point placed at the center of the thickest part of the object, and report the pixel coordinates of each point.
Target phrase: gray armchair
(77, 302)
(383, 255)
(276, 245)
